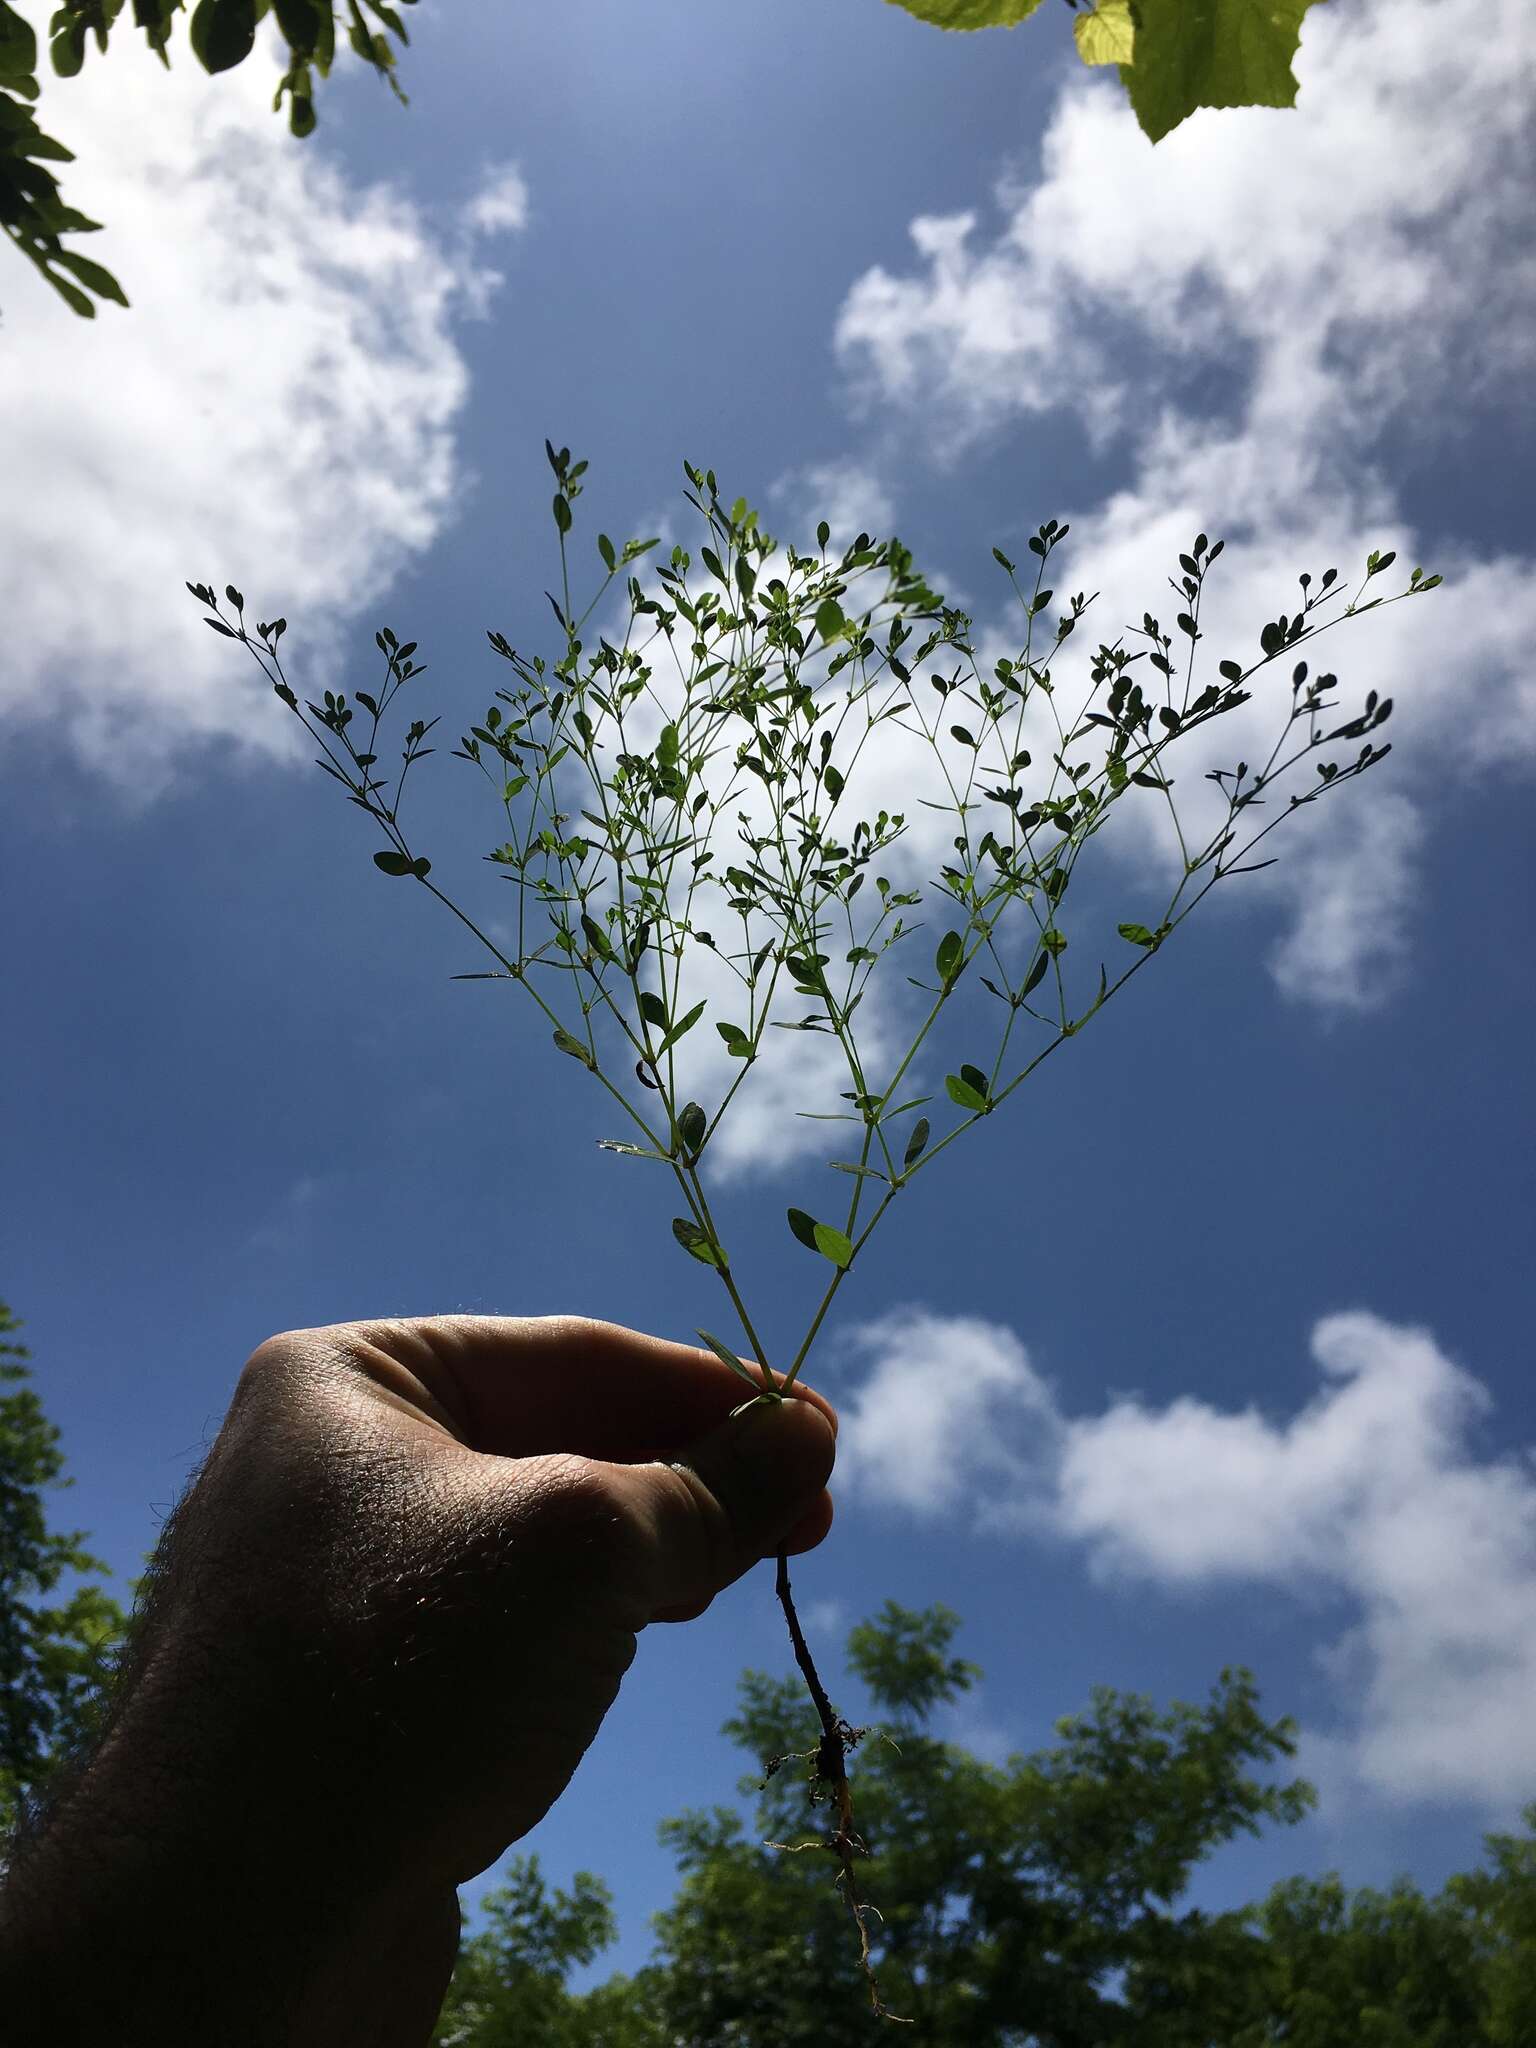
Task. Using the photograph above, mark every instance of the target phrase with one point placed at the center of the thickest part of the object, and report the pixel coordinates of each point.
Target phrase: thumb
(731, 1499)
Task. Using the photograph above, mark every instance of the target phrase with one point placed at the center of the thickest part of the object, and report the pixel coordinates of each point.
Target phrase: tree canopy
(1039, 1903)
(54, 1660)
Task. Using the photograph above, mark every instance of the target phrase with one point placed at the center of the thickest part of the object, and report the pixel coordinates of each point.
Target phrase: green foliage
(221, 33)
(1013, 1898)
(966, 14)
(1212, 53)
(54, 1660)
(1175, 56)
(1039, 1900)
(510, 1984)
(697, 808)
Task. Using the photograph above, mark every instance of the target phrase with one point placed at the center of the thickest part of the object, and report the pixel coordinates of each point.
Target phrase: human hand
(383, 1628)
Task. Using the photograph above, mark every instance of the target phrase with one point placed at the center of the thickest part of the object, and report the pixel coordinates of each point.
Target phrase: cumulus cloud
(1252, 312)
(276, 409)
(847, 495)
(1375, 1493)
(948, 1417)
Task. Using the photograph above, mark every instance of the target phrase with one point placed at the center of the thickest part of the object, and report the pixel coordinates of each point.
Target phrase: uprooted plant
(700, 810)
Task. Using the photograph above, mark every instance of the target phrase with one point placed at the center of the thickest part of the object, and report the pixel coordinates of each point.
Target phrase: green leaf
(575, 1048)
(1212, 53)
(1138, 934)
(916, 1143)
(667, 747)
(597, 938)
(947, 960)
(653, 1009)
(562, 512)
(728, 1357)
(1106, 34)
(820, 1237)
(1037, 974)
(964, 1093)
(684, 1024)
(300, 23)
(691, 1125)
(832, 782)
(804, 1228)
(628, 1151)
(223, 33)
(830, 622)
(66, 43)
(18, 48)
(970, 13)
(699, 1244)
(392, 863)
(737, 1043)
(833, 1245)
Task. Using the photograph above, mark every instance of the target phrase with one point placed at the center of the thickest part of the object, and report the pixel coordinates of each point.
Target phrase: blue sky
(1215, 1349)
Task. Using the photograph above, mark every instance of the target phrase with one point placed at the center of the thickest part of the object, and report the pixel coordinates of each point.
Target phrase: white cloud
(501, 204)
(1375, 1494)
(1325, 280)
(848, 496)
(949, 1415)
(276, 409)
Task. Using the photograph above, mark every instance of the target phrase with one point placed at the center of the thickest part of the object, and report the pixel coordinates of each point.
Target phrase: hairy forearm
(218, 1872)
(156, 1906)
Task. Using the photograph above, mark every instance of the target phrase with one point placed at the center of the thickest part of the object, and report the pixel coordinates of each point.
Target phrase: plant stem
(830, 1769)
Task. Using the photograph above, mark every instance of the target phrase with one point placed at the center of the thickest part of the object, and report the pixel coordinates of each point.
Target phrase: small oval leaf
(574, 1047)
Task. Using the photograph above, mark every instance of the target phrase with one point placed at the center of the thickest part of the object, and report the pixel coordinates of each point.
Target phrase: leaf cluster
(1173, 58)
(700, 835)
(222, 34)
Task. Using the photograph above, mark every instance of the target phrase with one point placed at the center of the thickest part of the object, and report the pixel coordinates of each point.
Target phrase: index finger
(521, 1386)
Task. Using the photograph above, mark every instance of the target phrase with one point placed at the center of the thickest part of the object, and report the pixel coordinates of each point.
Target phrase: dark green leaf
(597, 938)
(947, 960)
(963, 1093)
(691, 1126)
(392, 863)
(223, 33)
(728, 1357)
(698, 1243)
(916, 1142)
(1037, 974)
(575, 1048)
(830, 622)
(804, 1228)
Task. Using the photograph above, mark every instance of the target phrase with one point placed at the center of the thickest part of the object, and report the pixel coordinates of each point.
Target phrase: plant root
(829, 1780)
